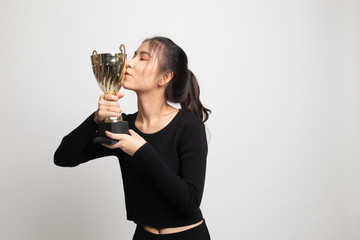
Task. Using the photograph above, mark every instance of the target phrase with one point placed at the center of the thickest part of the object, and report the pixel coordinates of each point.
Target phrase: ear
(166, 78)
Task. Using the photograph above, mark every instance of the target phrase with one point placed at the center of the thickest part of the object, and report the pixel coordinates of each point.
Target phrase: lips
(127, 74)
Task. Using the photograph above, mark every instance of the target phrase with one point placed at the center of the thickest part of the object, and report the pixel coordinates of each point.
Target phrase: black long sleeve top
(164, 180)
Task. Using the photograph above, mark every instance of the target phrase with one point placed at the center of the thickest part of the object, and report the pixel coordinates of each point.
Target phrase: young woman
(163, 159)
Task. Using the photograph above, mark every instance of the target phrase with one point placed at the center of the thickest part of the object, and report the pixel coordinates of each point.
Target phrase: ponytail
(192, 101)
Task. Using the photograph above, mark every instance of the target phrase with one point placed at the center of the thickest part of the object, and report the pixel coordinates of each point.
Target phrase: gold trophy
(109, 70)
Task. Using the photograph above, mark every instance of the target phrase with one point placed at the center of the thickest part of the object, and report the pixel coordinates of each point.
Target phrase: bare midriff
(170, 230)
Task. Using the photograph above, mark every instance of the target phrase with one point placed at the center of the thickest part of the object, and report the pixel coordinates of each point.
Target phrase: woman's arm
(77, 146)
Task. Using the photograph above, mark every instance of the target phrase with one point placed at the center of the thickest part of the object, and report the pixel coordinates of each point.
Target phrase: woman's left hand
(128, 143)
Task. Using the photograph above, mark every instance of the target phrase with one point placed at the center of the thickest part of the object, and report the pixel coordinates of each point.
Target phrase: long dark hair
(183, 87)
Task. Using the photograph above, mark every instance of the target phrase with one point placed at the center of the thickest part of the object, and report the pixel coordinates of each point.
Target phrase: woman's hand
(128, 143)
(108, 106)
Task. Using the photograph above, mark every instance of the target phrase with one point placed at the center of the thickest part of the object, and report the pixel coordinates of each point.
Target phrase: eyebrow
(142, 52)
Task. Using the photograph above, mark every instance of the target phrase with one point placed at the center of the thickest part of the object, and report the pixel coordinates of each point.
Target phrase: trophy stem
(113, 119)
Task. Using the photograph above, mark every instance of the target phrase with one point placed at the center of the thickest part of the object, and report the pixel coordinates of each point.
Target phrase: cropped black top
(163, 181)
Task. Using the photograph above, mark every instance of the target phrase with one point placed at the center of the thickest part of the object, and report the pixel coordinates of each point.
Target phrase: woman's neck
(153, 111)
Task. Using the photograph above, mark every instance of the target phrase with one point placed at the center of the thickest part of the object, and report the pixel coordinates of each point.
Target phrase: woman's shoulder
(189, 119)
(191, 128)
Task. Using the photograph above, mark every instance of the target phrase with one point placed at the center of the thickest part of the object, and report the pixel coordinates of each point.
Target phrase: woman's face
(142, 71)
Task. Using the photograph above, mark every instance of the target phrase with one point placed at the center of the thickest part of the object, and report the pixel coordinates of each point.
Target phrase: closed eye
(144, 56)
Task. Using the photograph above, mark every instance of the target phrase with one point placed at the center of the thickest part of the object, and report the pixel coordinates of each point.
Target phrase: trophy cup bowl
(109, 70)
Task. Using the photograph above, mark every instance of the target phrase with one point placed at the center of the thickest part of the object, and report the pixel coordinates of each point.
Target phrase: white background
(282, 78)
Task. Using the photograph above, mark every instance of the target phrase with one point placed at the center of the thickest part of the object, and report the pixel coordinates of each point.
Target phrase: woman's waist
(172, 229)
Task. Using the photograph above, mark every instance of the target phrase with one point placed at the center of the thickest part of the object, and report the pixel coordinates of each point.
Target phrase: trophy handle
(123, 53)
(122, 49)
(95, 56)
(96, 63)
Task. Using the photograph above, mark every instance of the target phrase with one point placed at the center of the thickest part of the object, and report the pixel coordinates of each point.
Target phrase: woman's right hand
(108, 106)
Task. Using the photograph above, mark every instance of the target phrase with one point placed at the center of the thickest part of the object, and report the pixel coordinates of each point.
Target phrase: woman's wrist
(95, 117)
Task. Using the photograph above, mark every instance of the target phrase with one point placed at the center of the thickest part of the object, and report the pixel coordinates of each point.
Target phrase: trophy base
(114, 127)
(105, 140)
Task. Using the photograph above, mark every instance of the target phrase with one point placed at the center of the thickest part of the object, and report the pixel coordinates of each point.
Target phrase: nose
(130, 63)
